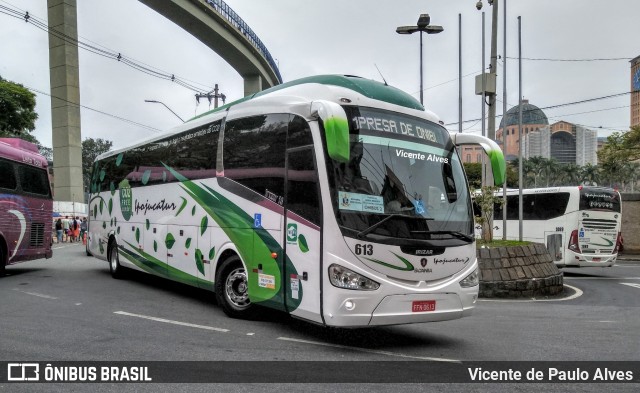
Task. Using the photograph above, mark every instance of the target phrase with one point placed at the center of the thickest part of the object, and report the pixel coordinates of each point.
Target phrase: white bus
(579, 225)
(337, 199)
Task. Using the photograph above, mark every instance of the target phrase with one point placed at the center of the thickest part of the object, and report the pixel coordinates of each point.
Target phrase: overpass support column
(252, 85)
(65, 101)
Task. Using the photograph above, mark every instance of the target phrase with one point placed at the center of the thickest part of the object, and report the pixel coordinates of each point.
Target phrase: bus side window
(254, 153)
(8, 178)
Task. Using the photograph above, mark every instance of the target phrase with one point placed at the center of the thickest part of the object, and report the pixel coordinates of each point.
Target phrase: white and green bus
(337, 199)
(580, 225)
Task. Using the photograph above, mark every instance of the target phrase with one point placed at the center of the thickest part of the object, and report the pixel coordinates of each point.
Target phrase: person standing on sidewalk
(59, 230)
(65, 227)
(83, 227)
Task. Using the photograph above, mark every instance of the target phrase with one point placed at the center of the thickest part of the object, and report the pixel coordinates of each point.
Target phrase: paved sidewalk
(628, 257)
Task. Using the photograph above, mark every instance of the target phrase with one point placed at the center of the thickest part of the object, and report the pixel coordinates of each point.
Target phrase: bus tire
(114, 261)
(2, 261)
(232, 289)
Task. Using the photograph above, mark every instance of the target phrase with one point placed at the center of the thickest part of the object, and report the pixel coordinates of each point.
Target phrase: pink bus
(26, 203)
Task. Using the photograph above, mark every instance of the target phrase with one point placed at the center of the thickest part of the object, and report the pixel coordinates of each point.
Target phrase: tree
(17, 111)
(92, 148)
(486, 199)
(590, 175)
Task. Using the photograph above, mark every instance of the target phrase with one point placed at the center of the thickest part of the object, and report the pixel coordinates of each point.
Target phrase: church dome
(531, 114)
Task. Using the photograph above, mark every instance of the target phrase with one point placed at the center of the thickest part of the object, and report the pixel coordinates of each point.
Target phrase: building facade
(565, 142)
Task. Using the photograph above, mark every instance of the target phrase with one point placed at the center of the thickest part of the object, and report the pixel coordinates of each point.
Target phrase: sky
(355, 37)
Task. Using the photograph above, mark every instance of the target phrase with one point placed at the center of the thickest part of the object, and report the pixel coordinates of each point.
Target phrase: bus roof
(17, 149)
(327, 87)
(367, 87)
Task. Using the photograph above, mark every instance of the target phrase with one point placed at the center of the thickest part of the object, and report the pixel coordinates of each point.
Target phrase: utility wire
(572, 60)
(556, 106)
(96, 110)
(108, 53)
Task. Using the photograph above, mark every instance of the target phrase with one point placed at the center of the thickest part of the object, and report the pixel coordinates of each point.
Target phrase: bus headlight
(471, 280)
(342, 277)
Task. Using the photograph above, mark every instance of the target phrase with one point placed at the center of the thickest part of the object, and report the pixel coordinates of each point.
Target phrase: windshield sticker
(361, 202)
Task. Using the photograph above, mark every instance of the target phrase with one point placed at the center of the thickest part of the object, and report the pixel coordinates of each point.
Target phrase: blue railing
(235, 19)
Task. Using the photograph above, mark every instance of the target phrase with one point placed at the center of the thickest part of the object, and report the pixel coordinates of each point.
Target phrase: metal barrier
(230, 15)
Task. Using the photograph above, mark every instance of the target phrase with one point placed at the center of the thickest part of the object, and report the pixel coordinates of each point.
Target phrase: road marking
(574, 296)
(36, 294)
(631, 284)
(602, 278)
(172, 322)
(368, 350)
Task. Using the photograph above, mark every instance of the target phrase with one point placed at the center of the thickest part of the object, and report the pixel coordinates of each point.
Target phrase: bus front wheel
(232, 290)
(114, 261)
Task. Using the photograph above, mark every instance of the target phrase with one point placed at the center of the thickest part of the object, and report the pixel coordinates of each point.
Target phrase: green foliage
(474, 174)
(17, 111)
(486, 199)
(92, 148)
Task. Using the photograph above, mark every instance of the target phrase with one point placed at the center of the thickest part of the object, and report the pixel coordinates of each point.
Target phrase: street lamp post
(158, 102)
(422, 26)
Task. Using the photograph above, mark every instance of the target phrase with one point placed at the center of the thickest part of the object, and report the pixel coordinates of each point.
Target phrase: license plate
(423, 305)
(596, 259)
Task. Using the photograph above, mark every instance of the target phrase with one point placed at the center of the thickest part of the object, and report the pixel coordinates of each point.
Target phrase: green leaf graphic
(110, 206)
(212, 253)
(169, 241)
(95, 211)
(118, 230)
(101, 247)
(119, 159)
(193, 210)
(111, 223)
(138, 235)
(302, 243)
(199, 262)
(204, 223)
(187, 244)
(112, 188)
(101, 205)
(155, 246)
(104, 225)
(148, 224)
(145, 176)
(102, 175)
(184, 204)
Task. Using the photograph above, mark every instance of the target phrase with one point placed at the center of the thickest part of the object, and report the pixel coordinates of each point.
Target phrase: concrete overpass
(216, 25)
(211, 21)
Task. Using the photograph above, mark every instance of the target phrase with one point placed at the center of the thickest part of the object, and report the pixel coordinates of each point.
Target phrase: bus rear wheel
(114, 261)
(2, 262)
(232, 290)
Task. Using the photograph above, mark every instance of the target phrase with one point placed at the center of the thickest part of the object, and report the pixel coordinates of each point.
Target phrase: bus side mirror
(336, 128)
(498, 164)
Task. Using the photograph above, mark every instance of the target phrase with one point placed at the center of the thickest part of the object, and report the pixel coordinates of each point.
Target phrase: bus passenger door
(302, 235)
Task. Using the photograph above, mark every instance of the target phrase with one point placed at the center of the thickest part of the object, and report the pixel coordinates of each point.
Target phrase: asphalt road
(69, 308)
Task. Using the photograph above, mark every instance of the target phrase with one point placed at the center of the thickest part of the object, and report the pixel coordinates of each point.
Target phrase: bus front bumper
(403, 309)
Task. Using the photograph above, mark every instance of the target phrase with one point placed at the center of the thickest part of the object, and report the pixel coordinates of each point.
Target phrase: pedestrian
(83, 227)
(76, 229)
(65, 227)
(59, 230)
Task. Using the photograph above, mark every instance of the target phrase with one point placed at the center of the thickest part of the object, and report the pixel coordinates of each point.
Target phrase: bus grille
(37, 235)
(599, 224)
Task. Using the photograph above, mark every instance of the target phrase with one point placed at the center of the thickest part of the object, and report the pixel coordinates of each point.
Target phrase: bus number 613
(364, 249)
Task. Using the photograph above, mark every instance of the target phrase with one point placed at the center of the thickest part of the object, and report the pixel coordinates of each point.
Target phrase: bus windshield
(404, 180)
(599, 199)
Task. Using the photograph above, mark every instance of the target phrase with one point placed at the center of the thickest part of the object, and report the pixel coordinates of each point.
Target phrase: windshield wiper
(453, 233)
(376, 225)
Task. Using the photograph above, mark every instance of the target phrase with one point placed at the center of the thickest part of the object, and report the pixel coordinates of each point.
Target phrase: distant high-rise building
(565, 142)
(635, 92)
